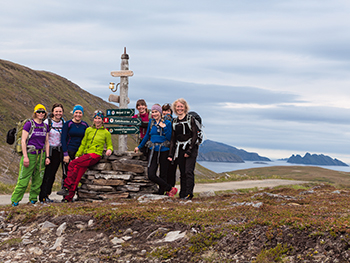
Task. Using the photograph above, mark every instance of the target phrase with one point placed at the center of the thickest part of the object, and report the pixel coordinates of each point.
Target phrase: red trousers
(76, 170)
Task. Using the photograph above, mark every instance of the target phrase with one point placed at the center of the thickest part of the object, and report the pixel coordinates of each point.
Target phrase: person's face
(155, 114)
(166, 112)
(98, 121)
(141, 108)
(57, 113)
(40, 114)
(180, 108)
(78, 115)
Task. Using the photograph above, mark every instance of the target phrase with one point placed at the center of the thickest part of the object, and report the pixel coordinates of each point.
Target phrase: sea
(220, 167)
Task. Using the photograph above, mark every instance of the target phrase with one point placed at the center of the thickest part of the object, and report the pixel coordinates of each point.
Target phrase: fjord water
(220, 167)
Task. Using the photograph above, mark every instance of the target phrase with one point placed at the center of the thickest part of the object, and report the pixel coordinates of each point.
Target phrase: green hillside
(21, 88)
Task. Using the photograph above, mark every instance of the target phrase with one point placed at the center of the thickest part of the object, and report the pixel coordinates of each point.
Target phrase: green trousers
(34, 171)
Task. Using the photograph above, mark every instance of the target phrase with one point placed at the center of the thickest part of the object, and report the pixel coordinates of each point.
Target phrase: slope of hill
(21, 88)
(219, 152)
(315, 159)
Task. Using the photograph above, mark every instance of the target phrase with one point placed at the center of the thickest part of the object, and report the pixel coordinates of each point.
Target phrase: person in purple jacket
(72, 134)
(35, 149)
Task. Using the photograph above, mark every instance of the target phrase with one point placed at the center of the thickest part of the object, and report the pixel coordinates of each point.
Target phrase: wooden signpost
(123, 101)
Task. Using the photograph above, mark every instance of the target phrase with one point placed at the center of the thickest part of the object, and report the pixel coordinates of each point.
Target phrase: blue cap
(78, 107)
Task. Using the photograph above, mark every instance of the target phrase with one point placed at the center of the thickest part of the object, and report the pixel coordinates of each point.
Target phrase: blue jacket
(72, 134)
(157, 135)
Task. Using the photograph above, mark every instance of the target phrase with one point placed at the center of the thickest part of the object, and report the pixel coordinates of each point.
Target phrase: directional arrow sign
(121, 112)
(122, 121)
(124, 130)
(122, 73)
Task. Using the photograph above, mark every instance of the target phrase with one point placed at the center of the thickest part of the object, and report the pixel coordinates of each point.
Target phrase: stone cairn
(121, 175)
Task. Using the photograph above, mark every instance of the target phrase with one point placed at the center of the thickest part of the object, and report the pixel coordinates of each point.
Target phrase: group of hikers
(48, 141)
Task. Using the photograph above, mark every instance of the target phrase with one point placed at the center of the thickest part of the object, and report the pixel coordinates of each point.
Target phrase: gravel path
(6, 199)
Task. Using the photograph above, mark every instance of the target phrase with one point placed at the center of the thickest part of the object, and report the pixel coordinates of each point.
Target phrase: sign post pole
(124, 73)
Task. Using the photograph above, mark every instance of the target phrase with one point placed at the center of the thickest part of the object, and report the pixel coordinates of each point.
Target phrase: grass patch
(6, 188)
(275, 254)
(10, 242)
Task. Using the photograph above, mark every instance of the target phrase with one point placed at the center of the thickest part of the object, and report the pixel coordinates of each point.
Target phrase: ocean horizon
(220, 167)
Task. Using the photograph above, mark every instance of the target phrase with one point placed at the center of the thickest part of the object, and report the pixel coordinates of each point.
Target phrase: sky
(270, 77)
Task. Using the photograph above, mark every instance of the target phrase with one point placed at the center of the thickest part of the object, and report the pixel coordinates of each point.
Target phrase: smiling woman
(55, 123)
(35, 147)
(89, 153)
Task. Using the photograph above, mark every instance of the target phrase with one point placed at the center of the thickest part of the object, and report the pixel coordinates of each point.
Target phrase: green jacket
(94, 141)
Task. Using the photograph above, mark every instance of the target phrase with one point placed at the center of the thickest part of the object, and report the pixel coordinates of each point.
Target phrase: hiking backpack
(198, 121)
(17, 133)
(49, 119)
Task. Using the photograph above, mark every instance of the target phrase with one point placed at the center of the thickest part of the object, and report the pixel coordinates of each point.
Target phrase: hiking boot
(63, 191)
(32, 202)
(15, 203)
(172, 192)
(188, 197)
(47, 200)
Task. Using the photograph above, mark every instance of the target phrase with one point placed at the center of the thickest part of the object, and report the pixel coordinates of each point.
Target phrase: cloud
(263, 74)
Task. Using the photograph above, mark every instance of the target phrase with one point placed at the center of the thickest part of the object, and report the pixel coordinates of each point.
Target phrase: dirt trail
(6, 199)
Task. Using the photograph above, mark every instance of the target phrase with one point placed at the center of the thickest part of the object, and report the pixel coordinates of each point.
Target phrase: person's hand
(170, 159)
(66, 159)
(136, 150)
(162, 124)
(108, 152)
(47, 161)
(186, 155)
(26, 161)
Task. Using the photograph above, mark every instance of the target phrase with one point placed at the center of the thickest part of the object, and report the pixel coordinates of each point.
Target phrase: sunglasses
(41, 111)
(98, 112)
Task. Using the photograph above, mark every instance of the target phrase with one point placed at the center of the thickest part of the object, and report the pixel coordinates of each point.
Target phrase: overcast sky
(266, 76)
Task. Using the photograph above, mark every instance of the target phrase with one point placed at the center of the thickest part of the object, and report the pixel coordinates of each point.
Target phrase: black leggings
(50, 173)
(186, 166)
(152, 171)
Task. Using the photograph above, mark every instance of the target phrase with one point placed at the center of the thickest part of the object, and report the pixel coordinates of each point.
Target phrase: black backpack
(11, 136)
(198, 121)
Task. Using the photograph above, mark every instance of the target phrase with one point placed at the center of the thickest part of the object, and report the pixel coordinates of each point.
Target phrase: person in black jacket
(183, 147)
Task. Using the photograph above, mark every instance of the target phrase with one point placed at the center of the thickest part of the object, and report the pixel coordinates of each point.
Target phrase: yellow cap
(39, 106)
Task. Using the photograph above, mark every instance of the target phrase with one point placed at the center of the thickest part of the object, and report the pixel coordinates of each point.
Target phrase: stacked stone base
(121, 175)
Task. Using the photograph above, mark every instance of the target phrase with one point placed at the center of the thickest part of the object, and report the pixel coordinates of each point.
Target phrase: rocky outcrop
(121, 175)
(212, 151)
(315, 159)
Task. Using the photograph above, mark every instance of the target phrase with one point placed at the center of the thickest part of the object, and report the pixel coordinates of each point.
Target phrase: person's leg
(49, 175)
(75, 173)
(65, 166)
(163, 171)
(152, 174)
(44, 185)
(190, 166)
(23, 178)
(57, 159)
(171, 177)
(181, 160)
(37, 177)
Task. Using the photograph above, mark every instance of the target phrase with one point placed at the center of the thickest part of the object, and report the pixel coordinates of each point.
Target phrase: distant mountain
(219, 157)
(315, 160)
(219, 152)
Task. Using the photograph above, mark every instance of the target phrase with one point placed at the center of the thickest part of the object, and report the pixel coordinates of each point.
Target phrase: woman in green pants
(35, 148)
